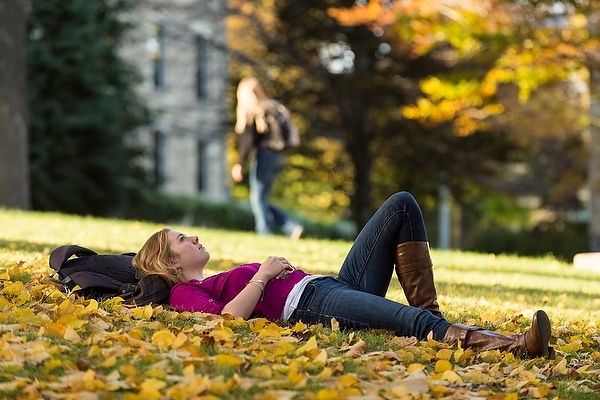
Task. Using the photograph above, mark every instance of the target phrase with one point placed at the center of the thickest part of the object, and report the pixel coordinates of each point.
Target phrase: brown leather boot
(533, 343)
(415, 273)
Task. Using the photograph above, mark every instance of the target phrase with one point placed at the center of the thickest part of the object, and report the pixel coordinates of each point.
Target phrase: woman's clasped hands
(275, 267)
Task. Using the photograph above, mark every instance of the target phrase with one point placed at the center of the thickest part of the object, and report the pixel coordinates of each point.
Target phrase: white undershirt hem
(291, 303)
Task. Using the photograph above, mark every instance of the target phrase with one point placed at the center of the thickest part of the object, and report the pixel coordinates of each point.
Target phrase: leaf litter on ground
(58, 346)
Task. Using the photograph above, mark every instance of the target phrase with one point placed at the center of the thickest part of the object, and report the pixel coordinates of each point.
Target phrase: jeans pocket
(308, 297)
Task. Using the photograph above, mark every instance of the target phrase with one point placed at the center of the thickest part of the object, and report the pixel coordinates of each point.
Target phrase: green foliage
(83, 108)
(552, 157)
(316, 182)
(562, 240)
(157, 206)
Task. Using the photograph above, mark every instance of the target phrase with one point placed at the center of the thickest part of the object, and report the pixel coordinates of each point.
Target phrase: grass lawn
(59, 346)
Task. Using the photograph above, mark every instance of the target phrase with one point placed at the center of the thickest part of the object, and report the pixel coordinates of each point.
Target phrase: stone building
(179, 48)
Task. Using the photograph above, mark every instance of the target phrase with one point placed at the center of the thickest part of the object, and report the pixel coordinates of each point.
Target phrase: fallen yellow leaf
(228, 360)
(357, 349)
(310, 345)
(262, 371)
(570, 347)
(321, 358)
(143, 312)
(180, 340)
(257, 324)
(92, 306)
(325, 374)
(163, 339)
(221, 335)
(109, 362)
(445, 354)
(327, 394)
(335, 325)
(415, 367)
(442, 366)
(71, 335)
(150, 388)
(561, 367)
(452, 377)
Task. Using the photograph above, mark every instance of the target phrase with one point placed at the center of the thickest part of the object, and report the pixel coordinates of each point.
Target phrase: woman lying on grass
(394, 238)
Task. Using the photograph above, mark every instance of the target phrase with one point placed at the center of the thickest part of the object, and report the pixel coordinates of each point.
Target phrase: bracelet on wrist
(260, 284)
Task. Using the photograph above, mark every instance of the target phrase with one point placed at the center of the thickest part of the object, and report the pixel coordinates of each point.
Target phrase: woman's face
(187, 252)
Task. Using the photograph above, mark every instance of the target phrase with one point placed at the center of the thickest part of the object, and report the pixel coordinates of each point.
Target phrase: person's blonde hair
(252, 102)
(155, 257)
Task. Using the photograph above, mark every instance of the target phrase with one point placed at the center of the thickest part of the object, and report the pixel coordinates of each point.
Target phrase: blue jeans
(356, 298)
(263, 172)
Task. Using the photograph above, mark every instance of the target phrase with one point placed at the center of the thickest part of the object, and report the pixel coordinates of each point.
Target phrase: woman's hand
(244, 303)
(274, 268)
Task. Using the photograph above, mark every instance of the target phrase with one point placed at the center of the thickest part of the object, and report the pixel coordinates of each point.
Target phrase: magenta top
(214, 292)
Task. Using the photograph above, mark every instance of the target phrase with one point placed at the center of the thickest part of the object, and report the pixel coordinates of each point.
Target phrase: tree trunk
(594, 135)
(362, 198)
(594, 161)
(14, 150)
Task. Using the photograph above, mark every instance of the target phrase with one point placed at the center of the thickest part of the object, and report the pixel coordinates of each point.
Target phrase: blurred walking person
(265, 130)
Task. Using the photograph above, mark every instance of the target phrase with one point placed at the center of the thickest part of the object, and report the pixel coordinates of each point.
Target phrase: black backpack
(279, 133)
(102, 276)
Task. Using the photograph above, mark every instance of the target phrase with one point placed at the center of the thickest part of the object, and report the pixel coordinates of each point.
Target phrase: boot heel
(537, 338)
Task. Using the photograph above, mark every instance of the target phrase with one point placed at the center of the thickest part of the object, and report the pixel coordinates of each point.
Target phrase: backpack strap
(61, 254)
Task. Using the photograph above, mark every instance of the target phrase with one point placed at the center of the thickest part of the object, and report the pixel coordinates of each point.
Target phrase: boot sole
(543, 323)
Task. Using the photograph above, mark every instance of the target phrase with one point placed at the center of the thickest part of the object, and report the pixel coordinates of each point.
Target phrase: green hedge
(561, 239)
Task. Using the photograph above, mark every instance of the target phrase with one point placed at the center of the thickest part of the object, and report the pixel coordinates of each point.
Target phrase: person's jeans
(356, 298)
(263, 172)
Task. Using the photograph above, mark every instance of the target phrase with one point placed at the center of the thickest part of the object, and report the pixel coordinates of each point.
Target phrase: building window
(201, 67)
(156, 48)
(159, 158)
